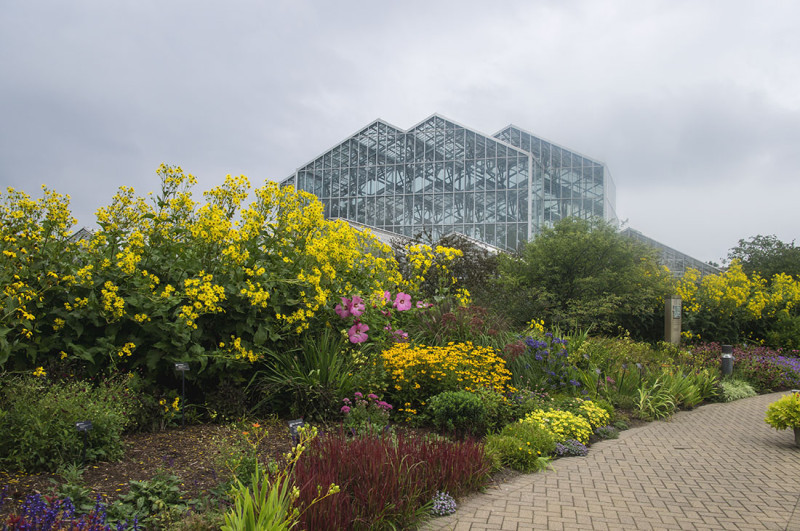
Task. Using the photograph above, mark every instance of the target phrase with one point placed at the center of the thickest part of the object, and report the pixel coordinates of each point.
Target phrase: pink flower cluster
(355, 307)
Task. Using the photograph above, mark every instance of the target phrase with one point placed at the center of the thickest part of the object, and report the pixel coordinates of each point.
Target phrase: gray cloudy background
(694, 105)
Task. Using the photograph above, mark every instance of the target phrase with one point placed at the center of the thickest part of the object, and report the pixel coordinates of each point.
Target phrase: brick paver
(717, 467)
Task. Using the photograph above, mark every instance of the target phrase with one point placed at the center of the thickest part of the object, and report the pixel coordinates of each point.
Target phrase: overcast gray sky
(694, 105)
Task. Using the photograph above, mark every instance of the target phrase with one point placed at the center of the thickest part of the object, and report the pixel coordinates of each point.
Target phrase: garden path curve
(719, 466)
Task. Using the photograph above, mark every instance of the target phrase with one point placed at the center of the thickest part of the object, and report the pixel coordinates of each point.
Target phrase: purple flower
(346, 401)
(358, 395)
(372, 396)
(345, 409)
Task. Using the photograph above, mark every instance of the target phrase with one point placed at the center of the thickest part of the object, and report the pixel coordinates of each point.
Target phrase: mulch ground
(191, 453)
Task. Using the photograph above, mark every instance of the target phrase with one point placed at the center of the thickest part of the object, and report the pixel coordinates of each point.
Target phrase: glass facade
(676, 261)
(442, 177)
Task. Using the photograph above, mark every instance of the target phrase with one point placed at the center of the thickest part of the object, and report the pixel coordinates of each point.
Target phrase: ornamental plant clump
(735, 389)
(785, 412)
(365, 415)
(443, 504)
(544, 364)
(571, 447)
(562, 425)
(386, 482)
(418, 372)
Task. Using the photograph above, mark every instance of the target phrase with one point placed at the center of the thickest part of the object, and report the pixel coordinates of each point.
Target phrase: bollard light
(727, 360)
(183, 368)
(84, 426)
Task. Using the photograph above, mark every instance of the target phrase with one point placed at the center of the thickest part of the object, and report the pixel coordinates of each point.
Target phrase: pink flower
(400, 335)
(343, 310)
(402, 302)
(423, 304)
(358, 333)
(356, 306)
(345, 410)
(358, 394)
(387, 296)
(372, 396)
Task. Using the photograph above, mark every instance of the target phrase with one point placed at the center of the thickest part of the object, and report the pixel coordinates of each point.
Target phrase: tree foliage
(767, 256)
(580, 275)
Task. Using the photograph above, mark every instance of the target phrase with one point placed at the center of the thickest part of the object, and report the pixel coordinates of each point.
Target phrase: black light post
(83, 427)
(182, 368)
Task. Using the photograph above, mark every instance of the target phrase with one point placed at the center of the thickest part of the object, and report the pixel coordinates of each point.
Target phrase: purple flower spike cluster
(46, 513)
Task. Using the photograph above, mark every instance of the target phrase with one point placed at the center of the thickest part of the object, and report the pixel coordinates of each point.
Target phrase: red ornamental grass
(383, 480)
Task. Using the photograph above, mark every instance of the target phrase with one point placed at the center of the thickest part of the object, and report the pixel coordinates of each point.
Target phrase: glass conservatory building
(442, 177)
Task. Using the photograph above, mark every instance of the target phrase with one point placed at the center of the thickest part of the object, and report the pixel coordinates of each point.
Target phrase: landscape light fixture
(183, 368)
(727, 360)
(84, 426)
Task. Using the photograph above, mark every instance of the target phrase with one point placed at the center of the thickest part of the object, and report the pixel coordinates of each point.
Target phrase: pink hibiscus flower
(358, 333)
(402, 302)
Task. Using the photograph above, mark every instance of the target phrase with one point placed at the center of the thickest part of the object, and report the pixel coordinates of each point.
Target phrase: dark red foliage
(383, 479)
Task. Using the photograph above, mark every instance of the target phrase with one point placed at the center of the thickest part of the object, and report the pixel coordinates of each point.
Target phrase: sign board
(293, 425)
(182, 367)
(84, 425)
(672, 320)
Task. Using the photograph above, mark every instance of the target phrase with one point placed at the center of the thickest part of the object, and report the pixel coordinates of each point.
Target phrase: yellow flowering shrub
(596, 415)
(562, 425)
(417, 372)
(732, 306)
(177, 276)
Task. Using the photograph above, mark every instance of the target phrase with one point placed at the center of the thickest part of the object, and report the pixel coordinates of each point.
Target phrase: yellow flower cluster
(419, 372)
(733, 294)
(596, 415)
(126, 350)
(426, 261)
(238, 351)
(562, 425)
(204, 296)
(113, 304)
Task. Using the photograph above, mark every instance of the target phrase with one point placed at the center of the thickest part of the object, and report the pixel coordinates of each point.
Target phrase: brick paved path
(717, 467)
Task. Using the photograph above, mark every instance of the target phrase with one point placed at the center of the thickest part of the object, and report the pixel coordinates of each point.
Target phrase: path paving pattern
(717, 467)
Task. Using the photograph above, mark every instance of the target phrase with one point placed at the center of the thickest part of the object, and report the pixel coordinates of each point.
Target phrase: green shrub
(521, 454)
(459, 412)
(734, 389)
(499, 410)
(534, 437)
(39, 416)
(785, 412)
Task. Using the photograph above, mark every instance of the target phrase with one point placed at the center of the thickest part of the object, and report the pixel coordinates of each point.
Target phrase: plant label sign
(293, 425)
(84, 425)
(182, 367)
